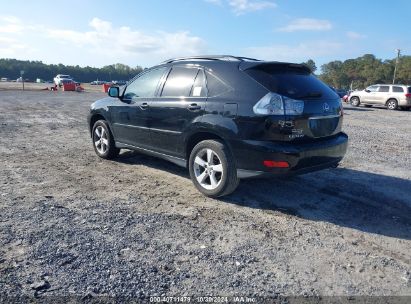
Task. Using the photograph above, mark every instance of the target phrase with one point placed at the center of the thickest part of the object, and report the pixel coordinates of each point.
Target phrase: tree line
(10, 68)
(365, 70)
(355, 73)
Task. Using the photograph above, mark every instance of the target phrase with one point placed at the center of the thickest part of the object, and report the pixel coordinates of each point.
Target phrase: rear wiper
(311, 95)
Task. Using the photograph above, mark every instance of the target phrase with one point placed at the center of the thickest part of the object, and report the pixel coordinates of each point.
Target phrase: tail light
(275, 104)
(408, 95)
(276, 164)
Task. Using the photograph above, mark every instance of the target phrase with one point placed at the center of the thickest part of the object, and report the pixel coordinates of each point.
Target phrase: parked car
(224, 118)
(60, 79)
(119, 82)
(341, 92)
(4, 79)
(393, 96)
(97, 82)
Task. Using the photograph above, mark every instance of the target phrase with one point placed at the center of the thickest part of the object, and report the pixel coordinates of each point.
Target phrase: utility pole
(396, 64)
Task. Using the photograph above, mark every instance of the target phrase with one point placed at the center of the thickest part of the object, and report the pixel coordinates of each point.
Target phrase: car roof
(244, 63)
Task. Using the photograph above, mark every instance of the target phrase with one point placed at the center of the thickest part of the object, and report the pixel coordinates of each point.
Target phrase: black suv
(224, 118)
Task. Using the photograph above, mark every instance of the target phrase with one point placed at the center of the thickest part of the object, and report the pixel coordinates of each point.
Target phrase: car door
(130, 117)
(180, 103)
(381, 96)
(369, 95)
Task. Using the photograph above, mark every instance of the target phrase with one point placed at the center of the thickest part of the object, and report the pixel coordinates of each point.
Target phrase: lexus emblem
(326, 107)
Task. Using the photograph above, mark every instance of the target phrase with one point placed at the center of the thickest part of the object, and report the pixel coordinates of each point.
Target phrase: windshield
(292, 82)
(65, 76)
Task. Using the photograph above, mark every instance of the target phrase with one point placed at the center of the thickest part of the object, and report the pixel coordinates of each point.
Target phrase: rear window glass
(292, 82)
(179, 82)
(199, 88)
(397, 89)
(409, 90)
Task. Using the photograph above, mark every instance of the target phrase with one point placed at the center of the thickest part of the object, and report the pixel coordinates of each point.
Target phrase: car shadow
(364, 201)
(358, 109)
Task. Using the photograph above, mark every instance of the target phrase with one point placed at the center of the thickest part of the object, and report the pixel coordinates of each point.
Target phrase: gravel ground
(72, 224)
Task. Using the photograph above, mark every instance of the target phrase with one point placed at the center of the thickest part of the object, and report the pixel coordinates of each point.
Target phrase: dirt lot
(73, 224)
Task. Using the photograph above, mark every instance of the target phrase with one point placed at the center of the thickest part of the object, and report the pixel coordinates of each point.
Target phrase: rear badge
(326, 107)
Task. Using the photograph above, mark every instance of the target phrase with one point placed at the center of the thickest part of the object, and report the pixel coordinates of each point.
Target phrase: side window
(199, 88)
(397, 89)
(145, 85)
(384, 89)
(215, 85)
(179, 82)
(372, 88)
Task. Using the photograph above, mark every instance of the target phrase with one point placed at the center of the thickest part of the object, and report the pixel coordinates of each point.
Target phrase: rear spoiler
(261, 65)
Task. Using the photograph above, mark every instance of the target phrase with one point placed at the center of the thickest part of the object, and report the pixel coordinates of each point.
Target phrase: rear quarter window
(215, 85)
(292, 82)
(397, 89)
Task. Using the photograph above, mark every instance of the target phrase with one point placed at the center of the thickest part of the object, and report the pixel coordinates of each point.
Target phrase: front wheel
(103, 141)
(212, 169)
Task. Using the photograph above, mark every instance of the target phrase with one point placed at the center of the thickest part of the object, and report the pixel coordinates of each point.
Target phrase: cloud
(10, 25)
(9, 47)
(295, 53)
(355, 35)
(240, 7)
(307, 24)
(112, 41)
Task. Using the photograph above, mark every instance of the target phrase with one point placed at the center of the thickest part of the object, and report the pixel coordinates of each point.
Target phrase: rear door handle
(144, 105)
(194, 107)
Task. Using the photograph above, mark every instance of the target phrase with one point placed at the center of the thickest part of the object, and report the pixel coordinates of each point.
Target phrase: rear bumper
(301, 157)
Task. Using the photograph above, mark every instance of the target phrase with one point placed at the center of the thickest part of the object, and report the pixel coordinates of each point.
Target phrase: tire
(355, 101)
(392, 104)
(205, 158)
(103, 141)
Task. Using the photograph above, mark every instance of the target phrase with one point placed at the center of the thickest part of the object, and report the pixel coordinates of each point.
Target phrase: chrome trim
(324, 117)
(242, 173)
(131, 126)
(147, 128)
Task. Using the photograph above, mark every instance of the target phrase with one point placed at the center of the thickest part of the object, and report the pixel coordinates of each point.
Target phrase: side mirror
(114, 92)
(368, 91)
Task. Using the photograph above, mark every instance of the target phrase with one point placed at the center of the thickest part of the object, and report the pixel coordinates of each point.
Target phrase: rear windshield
(292, 82)
(409, 90)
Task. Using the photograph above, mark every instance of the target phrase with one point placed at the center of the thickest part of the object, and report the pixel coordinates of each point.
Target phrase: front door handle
(194, 107)
(144, 105)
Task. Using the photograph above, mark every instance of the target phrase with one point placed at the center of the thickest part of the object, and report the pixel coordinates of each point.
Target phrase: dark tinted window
(398, 89)
(179, 82)
(297, 83)
(409, 90)
(384, 89)
(199, 88)
(215, 85)
(145, 85)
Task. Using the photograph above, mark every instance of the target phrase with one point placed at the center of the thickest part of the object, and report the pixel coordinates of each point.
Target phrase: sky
(98, 33)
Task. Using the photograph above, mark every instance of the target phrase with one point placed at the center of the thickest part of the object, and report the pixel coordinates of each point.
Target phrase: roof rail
(211, 57)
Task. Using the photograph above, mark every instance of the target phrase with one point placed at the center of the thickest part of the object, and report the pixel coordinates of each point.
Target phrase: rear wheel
(355, 101)
(392, 104)
(212, 169)
(103, 141)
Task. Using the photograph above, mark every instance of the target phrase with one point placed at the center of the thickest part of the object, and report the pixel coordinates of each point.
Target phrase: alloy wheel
(208, 169)
(392, 105)
(101, 140)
